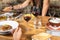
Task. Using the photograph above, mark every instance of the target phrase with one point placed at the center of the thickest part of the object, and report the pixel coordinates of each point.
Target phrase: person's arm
(23, 5)
(19, 6)
(45, 7)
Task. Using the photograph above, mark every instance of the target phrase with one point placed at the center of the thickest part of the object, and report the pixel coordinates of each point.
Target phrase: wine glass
(37, 23)
(27, 18)
(52, 12)
(27, 15)
(37, 20)
(35, 11)
(58, 12)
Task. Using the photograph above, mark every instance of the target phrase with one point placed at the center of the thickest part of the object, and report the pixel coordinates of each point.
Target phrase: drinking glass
(35, 11)
(37, 23)
(27, 15)
(2, 17)
(52, 12)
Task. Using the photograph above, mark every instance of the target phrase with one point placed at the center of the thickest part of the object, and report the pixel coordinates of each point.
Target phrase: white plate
(14, 25)
(54, 32)
(54, 20)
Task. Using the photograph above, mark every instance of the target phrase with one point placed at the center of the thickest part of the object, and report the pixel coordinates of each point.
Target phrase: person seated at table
(43, 10)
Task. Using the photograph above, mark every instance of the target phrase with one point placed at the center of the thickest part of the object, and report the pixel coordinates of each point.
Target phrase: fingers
(7, 8)
(20, 30)
(13, 30)
(16, 29)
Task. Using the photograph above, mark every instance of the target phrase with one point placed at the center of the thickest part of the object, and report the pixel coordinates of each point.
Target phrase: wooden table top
(6, 37)
(33, 31)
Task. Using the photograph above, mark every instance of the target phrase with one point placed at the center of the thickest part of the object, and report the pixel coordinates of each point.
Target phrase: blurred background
(53, 8)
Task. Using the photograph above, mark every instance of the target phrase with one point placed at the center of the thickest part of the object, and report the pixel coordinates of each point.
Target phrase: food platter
(13, 24)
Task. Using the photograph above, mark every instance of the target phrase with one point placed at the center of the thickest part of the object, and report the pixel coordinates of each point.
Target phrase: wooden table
(31, 32)
(6, 37)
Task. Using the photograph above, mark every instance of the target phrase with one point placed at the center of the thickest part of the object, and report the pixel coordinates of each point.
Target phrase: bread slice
(43, 36)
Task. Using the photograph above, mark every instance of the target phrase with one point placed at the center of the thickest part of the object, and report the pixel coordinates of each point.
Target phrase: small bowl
(53, 24)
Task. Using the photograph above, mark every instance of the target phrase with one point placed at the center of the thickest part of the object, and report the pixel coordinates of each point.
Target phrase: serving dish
(13, 24)
(53, 24)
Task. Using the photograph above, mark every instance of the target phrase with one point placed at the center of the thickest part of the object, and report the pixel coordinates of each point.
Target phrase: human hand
(17, 34)
(23, 5)
(7, 9)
